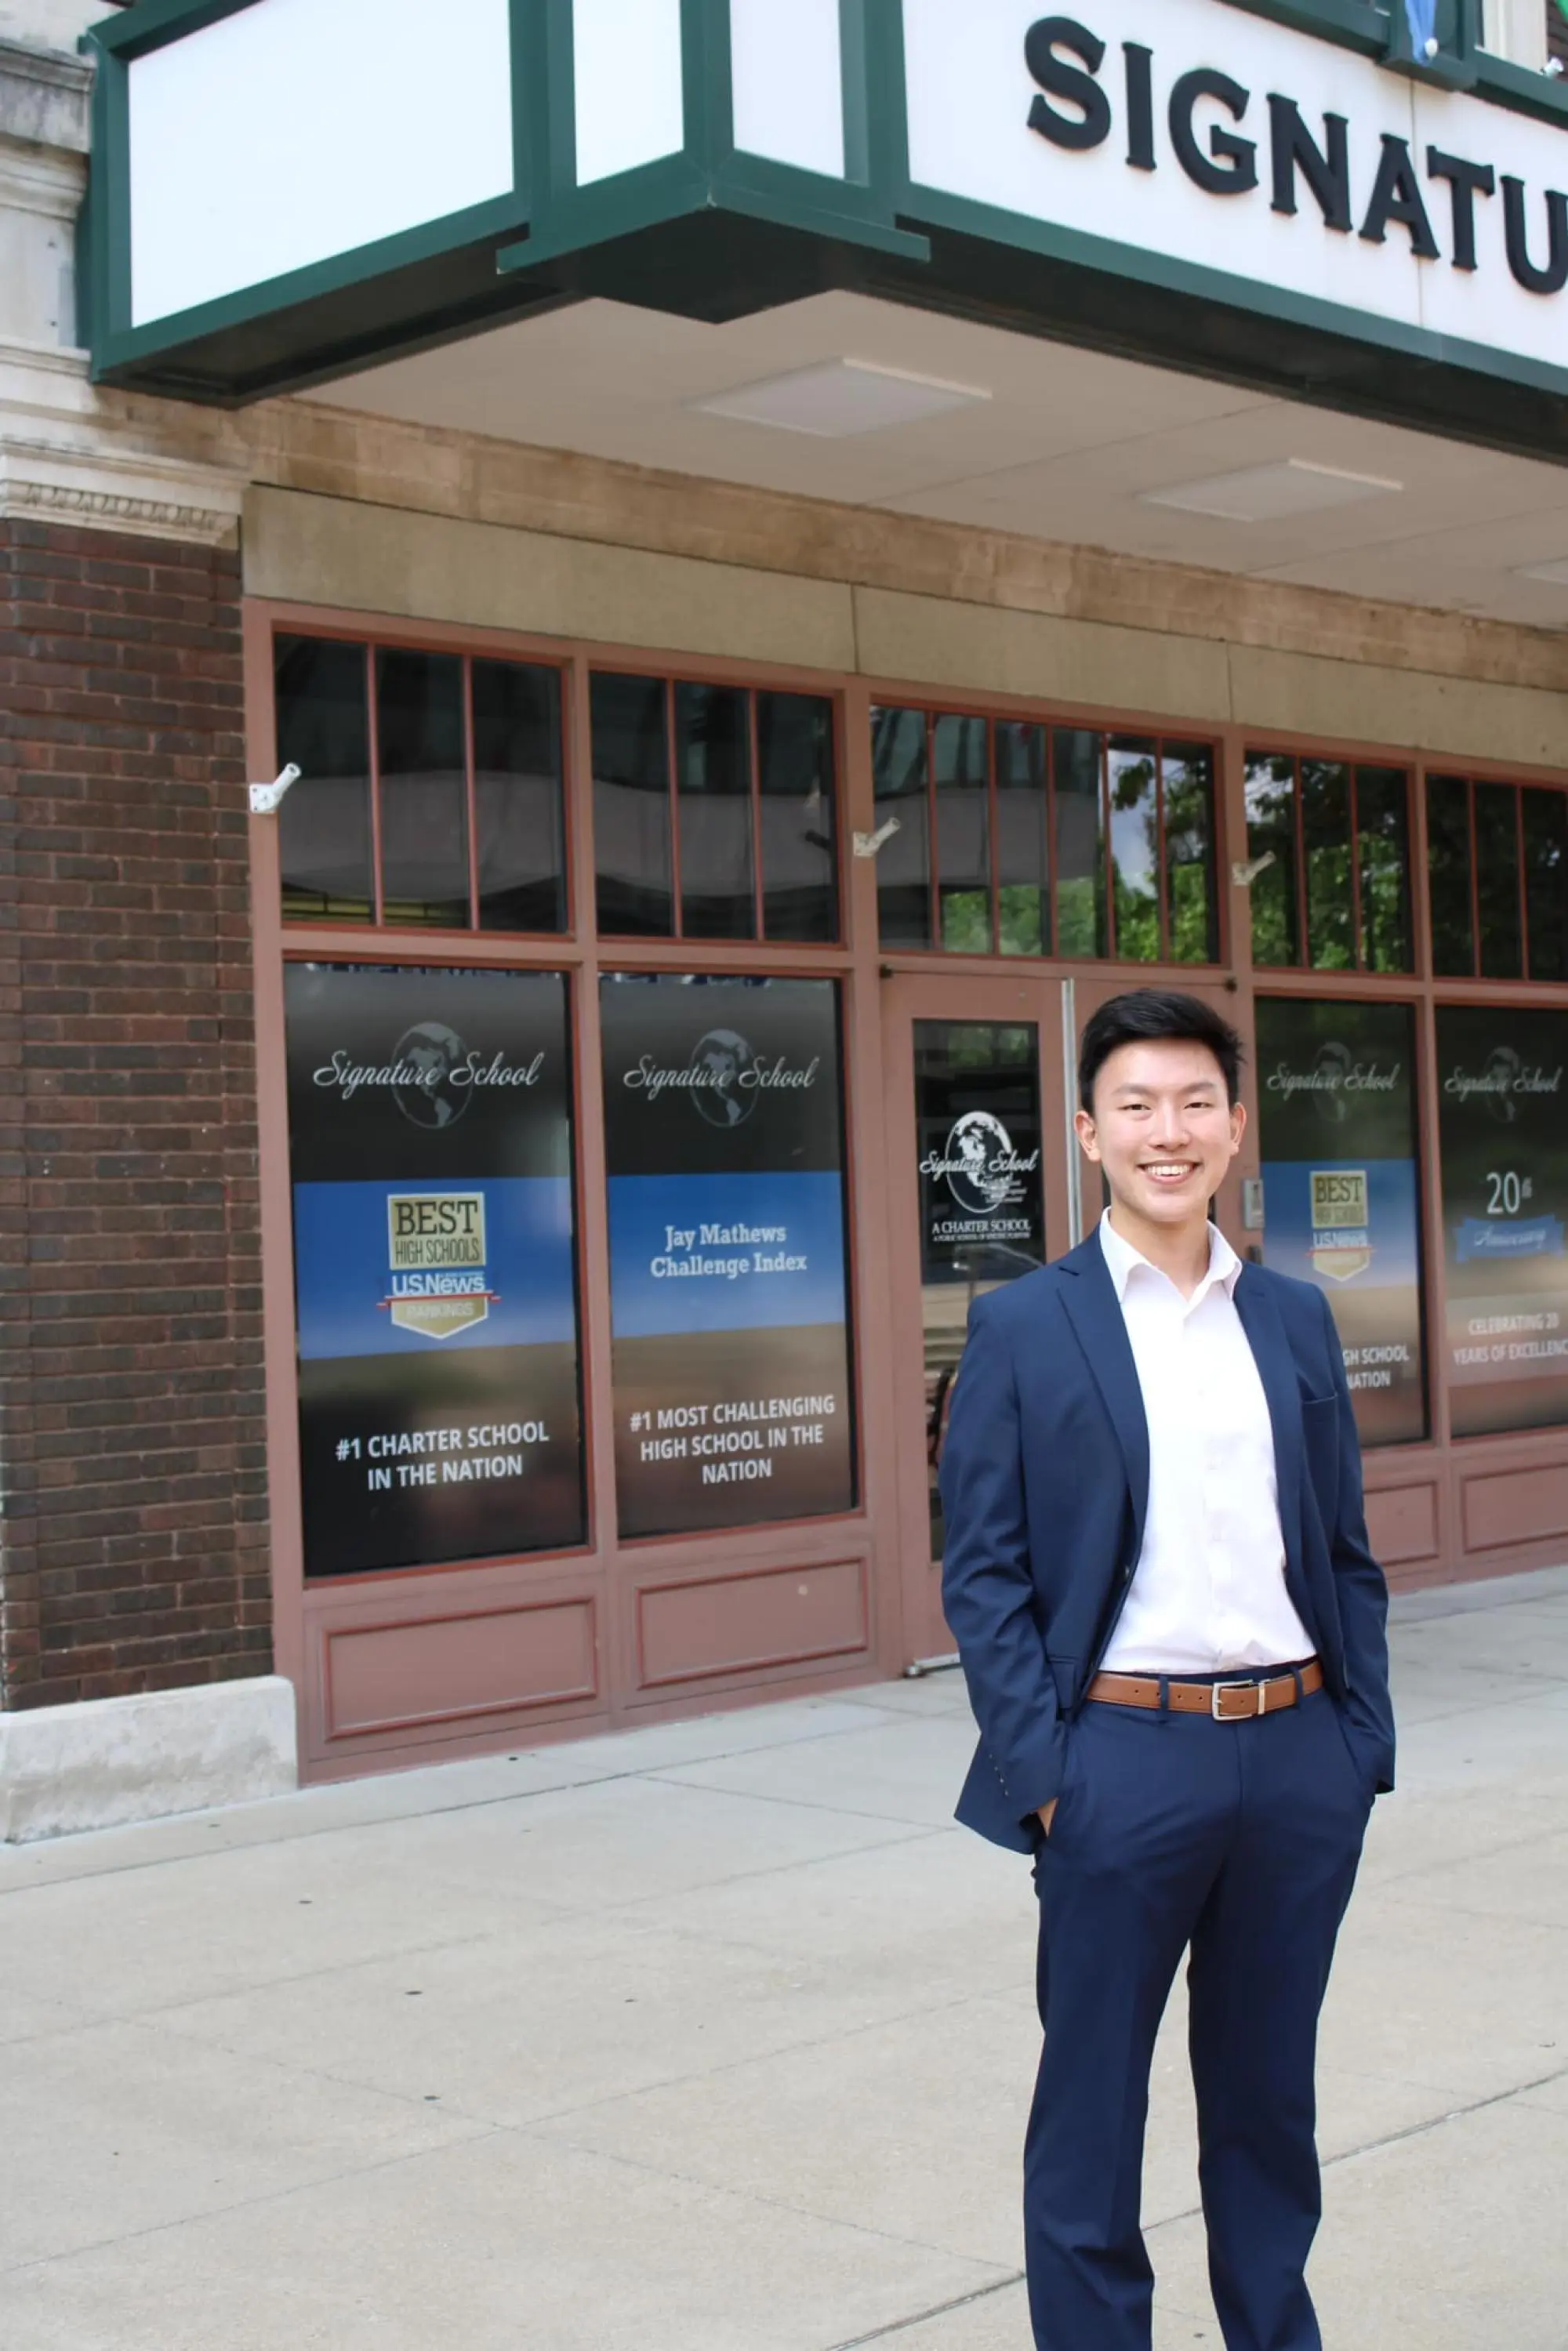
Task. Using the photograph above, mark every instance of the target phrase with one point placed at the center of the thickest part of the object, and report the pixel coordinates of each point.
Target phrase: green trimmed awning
(1294, 194)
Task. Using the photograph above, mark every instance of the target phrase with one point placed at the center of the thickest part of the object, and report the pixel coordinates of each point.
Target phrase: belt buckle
(1219, 1690)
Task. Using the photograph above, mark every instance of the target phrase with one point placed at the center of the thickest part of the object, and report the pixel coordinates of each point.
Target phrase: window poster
(977, 1115)
(1503, 1126)
(725, 1141)
(430, 1132)
(1336, 1091)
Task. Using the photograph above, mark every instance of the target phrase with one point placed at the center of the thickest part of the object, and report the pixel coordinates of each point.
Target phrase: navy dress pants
(1238, 1842)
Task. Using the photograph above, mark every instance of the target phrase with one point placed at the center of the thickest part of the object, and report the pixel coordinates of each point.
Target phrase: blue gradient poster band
(434, 1266)
(728, 1261)
(1503, 1126)
(1341, 1191)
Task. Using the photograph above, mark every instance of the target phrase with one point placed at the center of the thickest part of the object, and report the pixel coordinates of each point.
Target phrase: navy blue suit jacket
(1045, 1485)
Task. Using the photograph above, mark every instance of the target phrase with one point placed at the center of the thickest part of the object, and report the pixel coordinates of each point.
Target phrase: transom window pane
(1326, 858)
(1135, 861)
(1192, 897)
(719, 870)
(1271, 847)
(424, 795)
(440, 807)
(797, 812)
(1023, 841)
(1496, 881)
(901, 770)
(1077, 789)
(1449, 877)
(631, 831)
(518, 797)
(1330, 846)
(961, 753)
(1382, 856)
(1546, 881)
(325, 838)
(715, 812)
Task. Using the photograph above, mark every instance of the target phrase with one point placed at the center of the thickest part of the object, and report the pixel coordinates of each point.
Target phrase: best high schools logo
(1438, 200)
(437, 1250)
(1342, 1239)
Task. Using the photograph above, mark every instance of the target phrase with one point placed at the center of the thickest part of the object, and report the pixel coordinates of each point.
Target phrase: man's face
(1163, 1129)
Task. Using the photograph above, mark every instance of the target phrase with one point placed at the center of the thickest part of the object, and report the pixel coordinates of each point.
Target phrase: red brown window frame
(1465, 772)
(376, 638)
(1167, 741)
(750, 682)
(1257, 746)
(582, 956)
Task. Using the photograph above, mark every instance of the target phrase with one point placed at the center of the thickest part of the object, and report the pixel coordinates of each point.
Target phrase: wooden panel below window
(1520, 1506)
(1403, 1523)
(738, 1624)
(384, 1677)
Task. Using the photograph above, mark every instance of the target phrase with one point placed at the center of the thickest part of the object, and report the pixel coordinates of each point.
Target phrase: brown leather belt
(1225, 1702)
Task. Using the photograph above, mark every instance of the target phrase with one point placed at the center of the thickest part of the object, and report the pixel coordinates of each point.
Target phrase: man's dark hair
(1151, 1015)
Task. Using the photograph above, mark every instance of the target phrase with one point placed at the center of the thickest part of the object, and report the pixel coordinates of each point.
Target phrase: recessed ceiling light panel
(1273, 493)
(840, 398)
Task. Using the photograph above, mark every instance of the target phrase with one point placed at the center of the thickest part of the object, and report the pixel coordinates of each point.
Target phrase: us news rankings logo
(1342, 1237)
(437, 1250)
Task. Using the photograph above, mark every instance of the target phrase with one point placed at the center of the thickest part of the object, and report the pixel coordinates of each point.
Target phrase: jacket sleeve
(988, 1585)
(1361, 1589)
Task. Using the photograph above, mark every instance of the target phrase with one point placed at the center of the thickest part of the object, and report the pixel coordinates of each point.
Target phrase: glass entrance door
(977, 1139)
(986, 1182)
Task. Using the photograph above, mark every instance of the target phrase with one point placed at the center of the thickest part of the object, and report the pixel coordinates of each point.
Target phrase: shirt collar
(1122, 1261)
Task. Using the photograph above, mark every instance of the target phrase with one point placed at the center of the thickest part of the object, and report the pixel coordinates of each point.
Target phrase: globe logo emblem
(722, 1059)
(1331, 1097)
(981, 1170)
(1503, 1072)
(430, 1054)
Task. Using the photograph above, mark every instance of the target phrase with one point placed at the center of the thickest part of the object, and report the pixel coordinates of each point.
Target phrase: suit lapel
(1277, 1367)
(1095, 1311)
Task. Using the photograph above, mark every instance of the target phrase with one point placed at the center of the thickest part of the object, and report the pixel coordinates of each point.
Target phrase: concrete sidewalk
(719, 2038)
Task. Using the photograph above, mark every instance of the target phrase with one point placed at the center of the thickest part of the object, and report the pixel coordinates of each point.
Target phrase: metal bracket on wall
(872, 844)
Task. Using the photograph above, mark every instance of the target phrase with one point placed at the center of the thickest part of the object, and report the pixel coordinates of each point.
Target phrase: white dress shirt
(1208, 1594)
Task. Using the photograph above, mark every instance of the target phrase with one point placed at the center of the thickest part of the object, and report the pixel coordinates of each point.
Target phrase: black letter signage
(1535, 280)
(1328, 176)
(1079, 88)
(1230, 168)
(1466, 182)
(1140, 107)
(1398, 197)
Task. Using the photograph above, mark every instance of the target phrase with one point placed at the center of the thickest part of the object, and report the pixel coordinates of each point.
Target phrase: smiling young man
(1173, 1632)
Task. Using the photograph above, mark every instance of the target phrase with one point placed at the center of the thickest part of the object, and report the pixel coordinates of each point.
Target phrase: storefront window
(433, 801)
(1497, 859)
(1017, 838)
(1546, 881)
(324, 835)
(729, 1299)
(423, 789)
(1335, 891)
(1336, 1091)
(715, 811)
(1503, 1135)
(430, 1134)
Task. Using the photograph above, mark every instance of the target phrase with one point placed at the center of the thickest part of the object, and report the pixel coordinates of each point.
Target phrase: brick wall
(132, 1543)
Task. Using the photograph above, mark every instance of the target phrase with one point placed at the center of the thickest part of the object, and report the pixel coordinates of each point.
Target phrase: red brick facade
(133, 1541)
